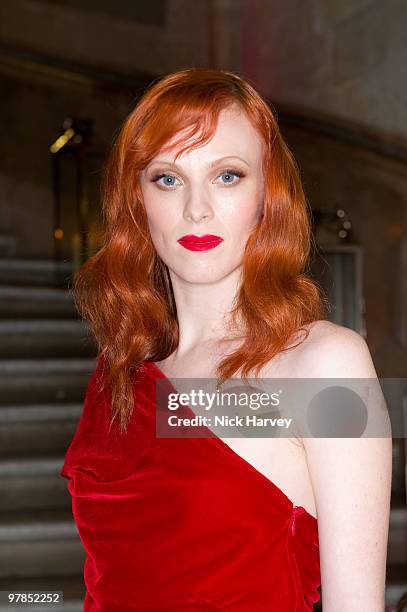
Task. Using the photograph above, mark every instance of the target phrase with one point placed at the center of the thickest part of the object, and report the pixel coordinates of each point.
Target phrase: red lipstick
(199, 243)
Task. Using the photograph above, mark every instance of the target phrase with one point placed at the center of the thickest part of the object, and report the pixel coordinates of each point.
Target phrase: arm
(351, 478)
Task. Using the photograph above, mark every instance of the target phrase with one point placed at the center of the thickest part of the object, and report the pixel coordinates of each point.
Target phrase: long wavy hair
(124, 290)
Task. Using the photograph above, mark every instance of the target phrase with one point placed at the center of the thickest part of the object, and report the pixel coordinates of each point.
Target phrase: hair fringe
(124, 290)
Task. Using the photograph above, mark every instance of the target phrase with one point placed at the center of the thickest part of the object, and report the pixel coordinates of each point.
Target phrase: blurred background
(70, 72)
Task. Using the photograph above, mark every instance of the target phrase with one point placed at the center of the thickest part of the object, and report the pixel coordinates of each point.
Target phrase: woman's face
(214, 190)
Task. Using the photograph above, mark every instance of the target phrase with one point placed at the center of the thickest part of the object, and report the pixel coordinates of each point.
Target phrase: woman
(202, 274)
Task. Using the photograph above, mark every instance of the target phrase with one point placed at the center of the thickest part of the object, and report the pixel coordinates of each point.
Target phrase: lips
(200, 243)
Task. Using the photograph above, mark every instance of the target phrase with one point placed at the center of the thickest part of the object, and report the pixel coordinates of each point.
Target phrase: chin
(200, 275)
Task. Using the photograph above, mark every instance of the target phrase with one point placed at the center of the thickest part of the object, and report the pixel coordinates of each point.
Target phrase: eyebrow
(211, 164)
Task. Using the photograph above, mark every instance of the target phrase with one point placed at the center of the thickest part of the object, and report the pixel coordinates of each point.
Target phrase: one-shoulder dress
(181, 524)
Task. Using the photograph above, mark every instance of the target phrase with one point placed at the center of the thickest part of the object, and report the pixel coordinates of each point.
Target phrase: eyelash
(237, 173)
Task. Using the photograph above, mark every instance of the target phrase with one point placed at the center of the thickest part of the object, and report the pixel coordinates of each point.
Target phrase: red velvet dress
(181, 524)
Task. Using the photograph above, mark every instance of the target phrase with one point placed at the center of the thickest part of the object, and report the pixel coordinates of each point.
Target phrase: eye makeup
(231, 171)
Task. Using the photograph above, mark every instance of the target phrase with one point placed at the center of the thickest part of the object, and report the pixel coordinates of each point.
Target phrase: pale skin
(345, 483)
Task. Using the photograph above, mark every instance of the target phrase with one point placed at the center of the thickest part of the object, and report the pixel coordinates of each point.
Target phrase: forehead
(234, 135)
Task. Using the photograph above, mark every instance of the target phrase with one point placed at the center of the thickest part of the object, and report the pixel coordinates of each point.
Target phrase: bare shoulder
(332, 350)
(322, 349)
(322, 330)
(353, 513)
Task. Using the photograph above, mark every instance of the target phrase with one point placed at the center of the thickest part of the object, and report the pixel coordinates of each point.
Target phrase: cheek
(158, 214)
(242, 217)
(160, 219)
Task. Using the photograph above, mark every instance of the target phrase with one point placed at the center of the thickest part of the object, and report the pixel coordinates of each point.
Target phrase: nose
(197, 208)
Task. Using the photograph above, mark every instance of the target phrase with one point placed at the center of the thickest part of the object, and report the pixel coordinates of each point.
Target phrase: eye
(158, 177)
(230, 173)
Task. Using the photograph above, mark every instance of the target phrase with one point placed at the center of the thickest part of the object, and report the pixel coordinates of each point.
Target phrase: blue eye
(158, 177)
(229, 173)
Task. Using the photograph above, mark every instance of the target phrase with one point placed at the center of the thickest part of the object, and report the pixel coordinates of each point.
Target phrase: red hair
(124, 290)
